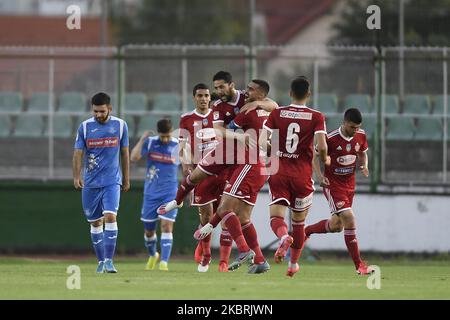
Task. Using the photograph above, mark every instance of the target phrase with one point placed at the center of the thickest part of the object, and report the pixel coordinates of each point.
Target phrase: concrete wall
(410, 223)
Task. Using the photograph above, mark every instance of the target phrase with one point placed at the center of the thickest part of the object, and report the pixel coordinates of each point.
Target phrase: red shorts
(338, 199)
(245, 182)
(291, 192)
(208, 191)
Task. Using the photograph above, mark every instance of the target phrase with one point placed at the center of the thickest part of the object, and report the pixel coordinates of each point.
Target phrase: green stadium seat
(135, 102)
(130, 120)
(72, 102)
(327, 103)
(5, 125)
(38, 102)
(166, 102)
(392, 106)
(28, 126)
(147, 122)
(400, 128)
(439, 104)
(363, 102)
(429, 129)
(11, 101)
(333, 122)
(369, 125)
(417, 104)
(62, 126)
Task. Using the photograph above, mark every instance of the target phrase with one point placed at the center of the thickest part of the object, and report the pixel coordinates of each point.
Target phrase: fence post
(51, 109)
(375, 177)
(120, 81)
(445, 120)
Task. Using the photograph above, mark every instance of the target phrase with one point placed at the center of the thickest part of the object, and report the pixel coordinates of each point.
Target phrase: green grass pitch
(23, 278)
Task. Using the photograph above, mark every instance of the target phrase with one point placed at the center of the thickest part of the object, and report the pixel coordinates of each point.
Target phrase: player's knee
(149, 233)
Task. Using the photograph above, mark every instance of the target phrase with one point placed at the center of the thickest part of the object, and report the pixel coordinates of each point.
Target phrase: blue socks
(110, 239)
(150, 244)
(166, 246)
(97, 242)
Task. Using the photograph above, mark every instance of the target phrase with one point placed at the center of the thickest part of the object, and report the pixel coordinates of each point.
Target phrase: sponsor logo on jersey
(295, 115)
(103, 142)
(340, 204)
(228, 186)
(161, 157)
(205, 122)
(196, 124)
(206, 134)
(348, 147)
(339, 148)
(357, 147)
(112, 130)
(262, 113)
(197, 198)
(344, 170)
(346, 160)
(303, 203)
(228, 114)
(216, 115)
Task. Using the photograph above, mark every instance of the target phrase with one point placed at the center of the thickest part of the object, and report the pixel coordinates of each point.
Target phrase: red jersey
(297, 125)
(252, 123)
(224, 112)
(198, 133)
(343, 152)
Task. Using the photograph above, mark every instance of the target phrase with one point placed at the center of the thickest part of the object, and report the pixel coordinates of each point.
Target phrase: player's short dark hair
(100, 99)
(353, 115)
(214, 96)
(300, 87)
(164, 125)
(263, 85)
(223, 75)
(199, 86)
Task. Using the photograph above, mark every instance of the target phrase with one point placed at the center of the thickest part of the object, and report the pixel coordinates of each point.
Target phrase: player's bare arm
(322, 148)
(231, 135)
(267, 104)
(364, 163)
(185, 157)
(323, 181)
(125, 162)
(136, 151)
(76, 167)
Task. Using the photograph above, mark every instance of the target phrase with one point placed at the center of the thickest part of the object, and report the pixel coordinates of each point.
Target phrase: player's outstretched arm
(267, 104)
(76, 168)
(125, 162)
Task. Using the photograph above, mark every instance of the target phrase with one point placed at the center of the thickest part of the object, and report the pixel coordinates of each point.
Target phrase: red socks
(251, 237)
(278, 226)
(352, 246)
(319, 227)
(234, 228)
(298, 233)
(185, 187)
(226, 243)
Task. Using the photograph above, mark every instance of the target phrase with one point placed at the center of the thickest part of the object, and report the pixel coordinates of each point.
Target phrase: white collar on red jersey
(202, 115)
(344, 137)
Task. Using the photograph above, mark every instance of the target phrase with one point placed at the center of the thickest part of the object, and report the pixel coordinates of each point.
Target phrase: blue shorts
(97, 201)
(149, 206)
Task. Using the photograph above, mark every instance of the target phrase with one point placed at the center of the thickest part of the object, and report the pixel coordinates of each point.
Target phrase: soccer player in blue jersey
(161, 183)
(101, 147)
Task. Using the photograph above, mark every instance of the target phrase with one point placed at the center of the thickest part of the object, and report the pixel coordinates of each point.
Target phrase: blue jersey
(101, 144)
(162, 167)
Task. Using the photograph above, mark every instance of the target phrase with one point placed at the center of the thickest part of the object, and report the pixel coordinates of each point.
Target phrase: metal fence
(402, 92)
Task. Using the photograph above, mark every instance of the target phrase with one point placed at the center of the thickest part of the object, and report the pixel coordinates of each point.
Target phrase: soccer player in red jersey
(292, 186)
(247, 179)
(347, 146)
(197, 137)
(220, 161)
